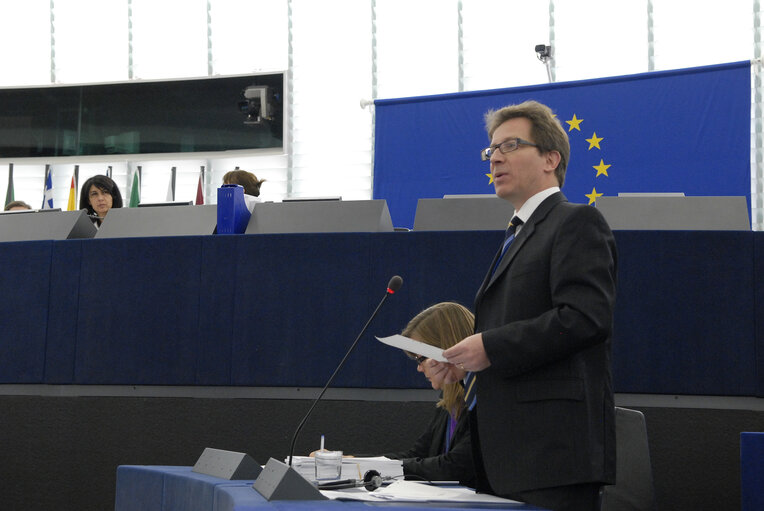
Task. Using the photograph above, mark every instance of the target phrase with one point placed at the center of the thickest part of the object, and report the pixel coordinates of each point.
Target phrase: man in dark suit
(543, 414)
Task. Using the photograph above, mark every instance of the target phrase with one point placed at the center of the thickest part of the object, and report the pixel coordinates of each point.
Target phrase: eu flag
(671, 131)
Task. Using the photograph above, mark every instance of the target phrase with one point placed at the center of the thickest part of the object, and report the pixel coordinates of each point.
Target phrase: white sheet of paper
(420, 348)
(414, 491)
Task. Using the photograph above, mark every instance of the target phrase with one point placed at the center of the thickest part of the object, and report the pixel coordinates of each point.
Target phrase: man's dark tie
(509, 237)
(470, 396)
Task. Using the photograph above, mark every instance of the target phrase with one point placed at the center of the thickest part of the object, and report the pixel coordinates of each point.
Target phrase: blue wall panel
(281, 310)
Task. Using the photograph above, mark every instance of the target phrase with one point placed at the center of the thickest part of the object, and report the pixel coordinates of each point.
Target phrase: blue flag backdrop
(671, 131)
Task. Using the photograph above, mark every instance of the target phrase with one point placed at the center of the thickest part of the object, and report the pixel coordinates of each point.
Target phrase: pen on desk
(322, 443)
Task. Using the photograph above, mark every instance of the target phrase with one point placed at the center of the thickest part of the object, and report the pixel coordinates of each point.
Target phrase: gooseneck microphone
(394, 285)
(94, 216)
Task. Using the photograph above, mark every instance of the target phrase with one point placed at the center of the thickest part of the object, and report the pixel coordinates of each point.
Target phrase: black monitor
(16, 211)
(158, 204)
(309, 199)
(143, 117)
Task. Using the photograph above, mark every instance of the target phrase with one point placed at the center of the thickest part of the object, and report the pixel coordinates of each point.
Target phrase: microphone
(94, 216)
(393, 285)
(279, 481)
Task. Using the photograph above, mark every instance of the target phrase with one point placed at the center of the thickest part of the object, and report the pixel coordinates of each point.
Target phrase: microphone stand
(390, 291)
(279, 481)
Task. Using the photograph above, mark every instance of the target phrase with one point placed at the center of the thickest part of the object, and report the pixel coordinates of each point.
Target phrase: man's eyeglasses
(505, 147)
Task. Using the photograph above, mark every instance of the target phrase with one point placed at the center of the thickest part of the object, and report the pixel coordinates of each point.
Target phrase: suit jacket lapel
(525, 233)
(513, 249)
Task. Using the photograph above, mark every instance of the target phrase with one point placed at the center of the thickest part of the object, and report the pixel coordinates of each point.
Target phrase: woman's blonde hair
(443, 325)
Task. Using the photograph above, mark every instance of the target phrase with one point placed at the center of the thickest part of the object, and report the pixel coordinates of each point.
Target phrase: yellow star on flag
(574, 123)
(594, 141)
(601, 168)
(593, 196)
(490, 177)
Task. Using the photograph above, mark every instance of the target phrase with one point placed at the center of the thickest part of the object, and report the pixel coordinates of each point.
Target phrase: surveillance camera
(257, 105)
(543, 52)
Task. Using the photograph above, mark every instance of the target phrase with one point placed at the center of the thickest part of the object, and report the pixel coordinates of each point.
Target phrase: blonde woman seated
(443, 452)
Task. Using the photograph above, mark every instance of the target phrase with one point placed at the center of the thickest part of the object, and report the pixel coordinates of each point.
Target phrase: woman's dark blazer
(427, 460)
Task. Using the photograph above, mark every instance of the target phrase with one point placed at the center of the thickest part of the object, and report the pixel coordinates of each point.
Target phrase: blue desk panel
(249, 309)
(157, 488)
(162, 488)
(752, 471)
(25, 282)
(64, 299)
(758, 300)
(685, 320)
(138, 311)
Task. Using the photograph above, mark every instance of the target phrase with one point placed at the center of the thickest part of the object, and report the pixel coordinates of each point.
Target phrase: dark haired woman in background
(98, 195)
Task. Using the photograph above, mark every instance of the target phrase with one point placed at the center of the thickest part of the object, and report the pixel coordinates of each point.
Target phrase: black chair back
(634, 489)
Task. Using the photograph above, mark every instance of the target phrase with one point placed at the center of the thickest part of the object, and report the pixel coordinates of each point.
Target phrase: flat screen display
(198, 115)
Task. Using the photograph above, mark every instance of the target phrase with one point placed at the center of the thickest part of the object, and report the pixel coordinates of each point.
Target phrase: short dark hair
(103, 183)
(244, 178)
(17, 204)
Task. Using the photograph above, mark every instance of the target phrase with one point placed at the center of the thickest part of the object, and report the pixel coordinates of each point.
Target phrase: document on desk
(352, 467)
(415, 491)
(420, 348)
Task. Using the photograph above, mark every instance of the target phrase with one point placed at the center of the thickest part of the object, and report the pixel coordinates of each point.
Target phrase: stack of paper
(414, 491)
(352, 468)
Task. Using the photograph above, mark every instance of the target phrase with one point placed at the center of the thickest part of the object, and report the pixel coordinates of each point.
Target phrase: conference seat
(634, 489)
